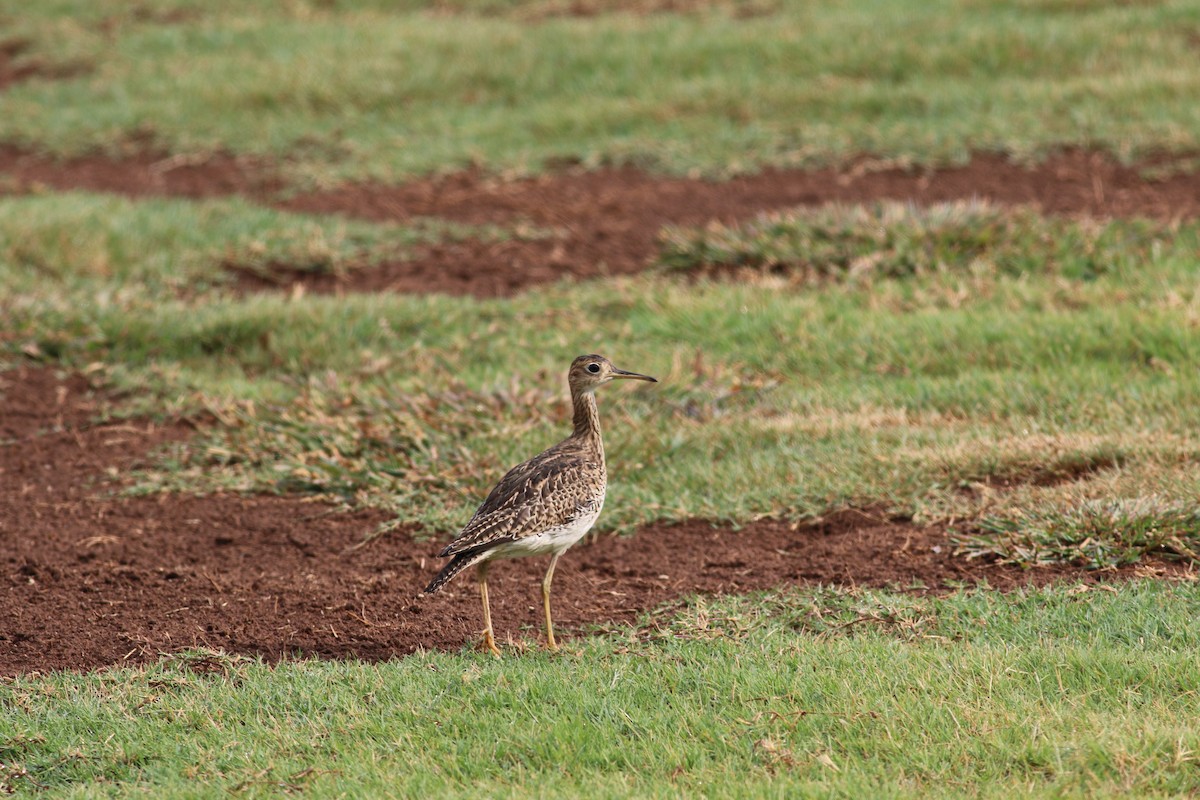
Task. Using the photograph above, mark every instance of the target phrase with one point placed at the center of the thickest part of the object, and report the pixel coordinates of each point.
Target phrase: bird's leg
(489, 640)
(553, 645)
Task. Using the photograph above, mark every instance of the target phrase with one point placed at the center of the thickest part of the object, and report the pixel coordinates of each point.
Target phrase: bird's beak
(636, 376)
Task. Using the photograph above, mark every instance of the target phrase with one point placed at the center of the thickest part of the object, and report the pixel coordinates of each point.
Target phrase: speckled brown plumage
(546, 504)
(545, 492)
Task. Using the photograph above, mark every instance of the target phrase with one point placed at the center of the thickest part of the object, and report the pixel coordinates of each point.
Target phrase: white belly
(554, 540)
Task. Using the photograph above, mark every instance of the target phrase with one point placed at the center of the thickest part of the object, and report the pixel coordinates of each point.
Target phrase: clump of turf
(1095, 534)
(892, 240)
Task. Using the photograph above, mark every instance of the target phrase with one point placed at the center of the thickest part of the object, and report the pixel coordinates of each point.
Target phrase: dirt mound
(88, 579)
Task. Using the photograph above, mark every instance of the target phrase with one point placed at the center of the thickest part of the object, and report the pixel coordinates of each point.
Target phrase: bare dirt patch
(146, 15)
(145, 174)
(552, 9)
(1071, 182)
(1055, 473)
(469, 267)
(606, 221)
(537, 11)
(88, 579)
(17, 66)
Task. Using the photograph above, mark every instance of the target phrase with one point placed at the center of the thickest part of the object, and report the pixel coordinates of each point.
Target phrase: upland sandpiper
(544, 505)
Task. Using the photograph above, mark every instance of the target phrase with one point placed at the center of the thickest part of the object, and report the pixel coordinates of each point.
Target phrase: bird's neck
(586, 417)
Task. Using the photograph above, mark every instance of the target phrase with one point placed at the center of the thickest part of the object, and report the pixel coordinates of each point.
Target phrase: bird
(543, 505)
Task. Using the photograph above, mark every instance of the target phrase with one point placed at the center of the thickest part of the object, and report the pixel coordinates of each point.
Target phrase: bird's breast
(556, 539)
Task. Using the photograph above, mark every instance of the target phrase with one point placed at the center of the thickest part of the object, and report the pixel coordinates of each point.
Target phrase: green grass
(1095, 534)
(892, 240)
(1034, 379)
(364, 89)
(988, 348)
(802, 693)
(90, 242)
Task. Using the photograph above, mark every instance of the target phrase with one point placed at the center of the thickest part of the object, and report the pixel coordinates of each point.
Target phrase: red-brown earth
(607, 221)
(16, 64)
(89, 579)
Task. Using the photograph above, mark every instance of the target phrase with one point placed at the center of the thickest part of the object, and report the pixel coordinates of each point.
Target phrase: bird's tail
(456, 565)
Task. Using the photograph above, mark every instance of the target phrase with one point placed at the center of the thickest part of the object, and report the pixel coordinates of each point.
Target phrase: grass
(892, 240)
(800, 693)
(1051, 358)
(158, 248)
(1031, 378)
(1095, 534)
(370, 90)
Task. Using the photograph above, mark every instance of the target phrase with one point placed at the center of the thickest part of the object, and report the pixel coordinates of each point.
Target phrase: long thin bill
(637, 376)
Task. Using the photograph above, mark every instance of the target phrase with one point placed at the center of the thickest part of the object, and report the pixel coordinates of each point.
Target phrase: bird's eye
(593, 368)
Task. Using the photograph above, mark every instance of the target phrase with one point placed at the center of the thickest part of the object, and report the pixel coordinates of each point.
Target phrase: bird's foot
(489, 644)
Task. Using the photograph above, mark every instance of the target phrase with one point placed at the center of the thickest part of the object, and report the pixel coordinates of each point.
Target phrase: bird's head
(589, 372)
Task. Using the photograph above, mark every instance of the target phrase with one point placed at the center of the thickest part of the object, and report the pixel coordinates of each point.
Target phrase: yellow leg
(553, 645)
(489, 640)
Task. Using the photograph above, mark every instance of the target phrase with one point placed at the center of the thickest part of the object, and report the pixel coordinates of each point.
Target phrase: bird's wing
(544, 492)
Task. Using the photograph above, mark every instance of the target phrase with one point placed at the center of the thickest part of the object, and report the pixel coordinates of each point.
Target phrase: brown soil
(16, 66)
(551, 9)
(471, 267)
(88, 579)
(540, 10)
(609, 220)
(606, 221)
(145, 174)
